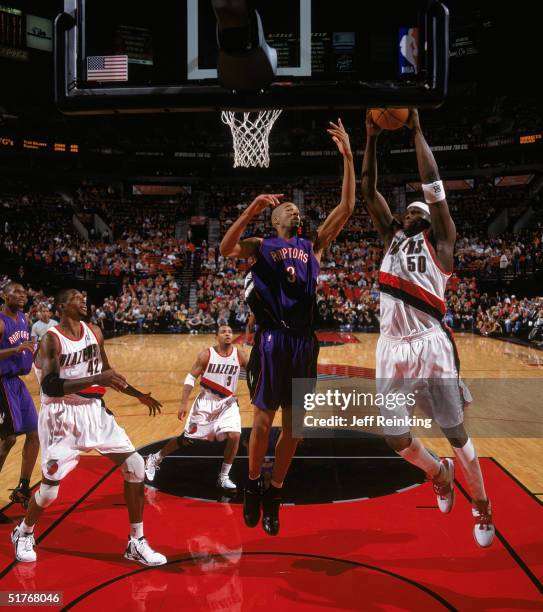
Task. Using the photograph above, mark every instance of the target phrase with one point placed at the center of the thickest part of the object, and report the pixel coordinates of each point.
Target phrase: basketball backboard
(164, 56)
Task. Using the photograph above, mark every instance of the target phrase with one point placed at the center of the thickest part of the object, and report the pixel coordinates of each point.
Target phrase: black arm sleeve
(53, 386)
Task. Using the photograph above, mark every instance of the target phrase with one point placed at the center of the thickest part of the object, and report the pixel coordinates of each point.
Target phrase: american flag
(107, 68)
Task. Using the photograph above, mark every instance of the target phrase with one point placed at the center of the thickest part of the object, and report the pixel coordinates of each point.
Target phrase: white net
(251, 132)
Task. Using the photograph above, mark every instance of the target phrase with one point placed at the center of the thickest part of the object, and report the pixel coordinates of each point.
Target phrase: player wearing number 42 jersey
(214, 415)
(282, 298)
(415, 351)
(74, 372)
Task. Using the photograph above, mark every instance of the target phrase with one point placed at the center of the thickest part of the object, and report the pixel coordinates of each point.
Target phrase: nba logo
(409, 50)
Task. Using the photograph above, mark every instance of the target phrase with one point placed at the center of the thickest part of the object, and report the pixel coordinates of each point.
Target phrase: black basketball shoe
(252, 502)
(271, 502)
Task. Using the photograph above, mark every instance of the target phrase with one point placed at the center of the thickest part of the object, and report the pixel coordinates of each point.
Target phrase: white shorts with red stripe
(423, 364)
(211, 418)
(67, 430)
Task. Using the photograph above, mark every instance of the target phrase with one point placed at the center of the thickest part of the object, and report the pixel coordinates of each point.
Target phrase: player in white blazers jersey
(214, 414)
(415, 350)
(74, 372)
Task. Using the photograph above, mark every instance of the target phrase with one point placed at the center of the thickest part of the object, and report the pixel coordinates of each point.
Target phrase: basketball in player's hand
(389, 118)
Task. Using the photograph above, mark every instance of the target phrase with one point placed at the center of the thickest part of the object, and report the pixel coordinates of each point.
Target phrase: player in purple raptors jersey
(282, 286)
(17, 412)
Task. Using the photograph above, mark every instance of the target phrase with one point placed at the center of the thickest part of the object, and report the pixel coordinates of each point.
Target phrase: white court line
(295, 457)
(409, 487)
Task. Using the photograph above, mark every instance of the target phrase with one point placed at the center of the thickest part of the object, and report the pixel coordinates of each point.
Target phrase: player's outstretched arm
(334, 223)
(197, 369)
(231, 245)
(145, 398)
(443, 228)
(377, 205)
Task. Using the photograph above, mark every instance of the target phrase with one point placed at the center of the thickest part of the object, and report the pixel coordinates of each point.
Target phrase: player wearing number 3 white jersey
(416, 352)
(214, 414)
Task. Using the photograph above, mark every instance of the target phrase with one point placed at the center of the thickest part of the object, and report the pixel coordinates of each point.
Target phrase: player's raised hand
(372, 129)
(413, 121)
(340, 137)
(264, 200)
(151, 403)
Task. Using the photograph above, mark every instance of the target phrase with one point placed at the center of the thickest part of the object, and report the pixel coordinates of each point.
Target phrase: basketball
(389, 118)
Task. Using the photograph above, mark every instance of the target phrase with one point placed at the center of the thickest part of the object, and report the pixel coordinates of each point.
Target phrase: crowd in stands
(146, 259)
(346, 301)
(139, 242)
(505, 256)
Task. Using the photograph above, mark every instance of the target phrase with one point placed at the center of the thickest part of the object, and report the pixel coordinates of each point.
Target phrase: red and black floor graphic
(390, 552)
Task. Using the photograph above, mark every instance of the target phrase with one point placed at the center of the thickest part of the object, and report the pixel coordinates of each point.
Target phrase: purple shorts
(17, 411)
(277, 357)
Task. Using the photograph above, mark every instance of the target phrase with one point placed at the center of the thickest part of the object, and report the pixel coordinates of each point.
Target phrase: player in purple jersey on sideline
(17, 411)
(282, 287)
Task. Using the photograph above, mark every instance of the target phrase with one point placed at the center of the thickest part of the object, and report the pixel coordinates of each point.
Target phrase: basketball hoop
(250, 134)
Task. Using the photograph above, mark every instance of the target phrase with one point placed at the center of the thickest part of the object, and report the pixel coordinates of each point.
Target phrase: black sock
(24, 483)
(254, 485)
(273, 492)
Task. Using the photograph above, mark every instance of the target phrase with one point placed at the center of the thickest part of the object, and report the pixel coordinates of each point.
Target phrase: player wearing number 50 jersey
(415, 351)
(281, 294)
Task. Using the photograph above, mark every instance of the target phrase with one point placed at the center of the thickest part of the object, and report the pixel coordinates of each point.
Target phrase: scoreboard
(14, 143)
(20, 31)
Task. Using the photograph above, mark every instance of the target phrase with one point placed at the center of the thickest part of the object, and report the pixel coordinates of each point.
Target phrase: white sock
(225, 469)
(416, 454)
(136, 530)
(26, 528)
(158, 457)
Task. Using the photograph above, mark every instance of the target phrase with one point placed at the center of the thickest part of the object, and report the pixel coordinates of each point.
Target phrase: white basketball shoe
(444, 486)
(152, 465)
(483, 530)
(24, 545)
(138, 549)
(224, 482)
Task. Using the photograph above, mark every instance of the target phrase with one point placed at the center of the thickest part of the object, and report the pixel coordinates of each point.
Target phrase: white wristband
(190, 380)
(433, 192)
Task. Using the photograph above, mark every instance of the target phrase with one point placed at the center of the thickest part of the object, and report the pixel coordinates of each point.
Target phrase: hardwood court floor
(159, 364)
